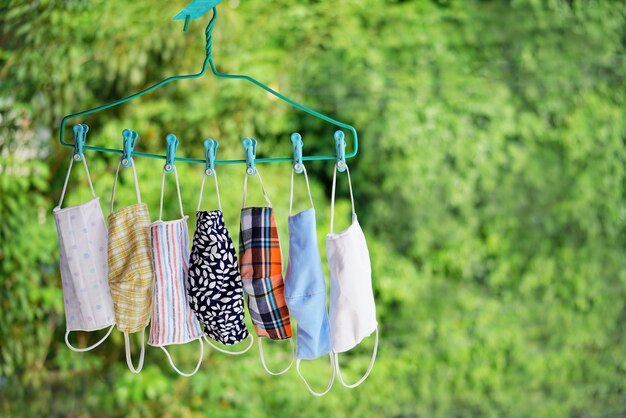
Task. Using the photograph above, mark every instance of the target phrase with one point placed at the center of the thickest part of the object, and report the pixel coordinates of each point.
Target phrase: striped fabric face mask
(260, 262)
(215, 287)
(173, 322)
(352, 306)
(131, 276)
(83, 264)
(305, 289)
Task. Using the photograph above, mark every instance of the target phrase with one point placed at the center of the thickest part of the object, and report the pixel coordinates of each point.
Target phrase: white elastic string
(217, 190)
(245, 190)
(369, 369)
(332, 199)
(180, 201)
(306, 177)
(82, 350)
(176, 368)
(233, 353)
(67, 178)
(330, 383)
(141, 356)
(132, 164)
(263, 358)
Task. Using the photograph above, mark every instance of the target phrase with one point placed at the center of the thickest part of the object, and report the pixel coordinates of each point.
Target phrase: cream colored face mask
(352, 306)
(131, 273)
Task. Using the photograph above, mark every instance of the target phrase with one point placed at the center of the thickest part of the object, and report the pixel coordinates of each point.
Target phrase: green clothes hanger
(194, 10)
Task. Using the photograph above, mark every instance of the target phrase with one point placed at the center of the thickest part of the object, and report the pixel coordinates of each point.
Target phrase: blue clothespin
(170, 152)
(296, 142)
(340, 143)
(210, 151)
(130, 139)
(249, 148)
(80, 135)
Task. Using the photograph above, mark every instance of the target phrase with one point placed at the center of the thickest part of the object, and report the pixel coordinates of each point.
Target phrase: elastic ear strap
(308, 187)
(350, 186)
(245, 190)
(82, 350)
(217, 190)
(332, 200)
(330, 383)
(141, 356)
(117, 172)
(232, 353)
(93, 193)
(263, 358)
(67, 178)
(180, 201)
(176, 368)
(369, 369)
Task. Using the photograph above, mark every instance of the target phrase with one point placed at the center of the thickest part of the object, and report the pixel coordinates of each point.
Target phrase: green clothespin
(210, 151)
(249, 148)
(80, 136)
(130, 139)
(296, 142)
(170, 152)
(340, 143)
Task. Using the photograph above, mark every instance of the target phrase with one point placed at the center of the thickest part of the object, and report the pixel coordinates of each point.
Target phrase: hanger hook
(130, 139)
(340, 143)
(210, 151)
(249, 148)
(170, 152)
(296, 142)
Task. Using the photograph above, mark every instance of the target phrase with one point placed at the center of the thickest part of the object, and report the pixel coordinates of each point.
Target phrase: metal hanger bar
(209, 61)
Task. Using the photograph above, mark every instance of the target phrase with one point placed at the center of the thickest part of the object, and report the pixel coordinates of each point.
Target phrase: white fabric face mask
(83, 264)
(352, 306)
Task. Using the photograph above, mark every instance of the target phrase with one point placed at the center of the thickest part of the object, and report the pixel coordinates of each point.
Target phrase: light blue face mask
(305, 289)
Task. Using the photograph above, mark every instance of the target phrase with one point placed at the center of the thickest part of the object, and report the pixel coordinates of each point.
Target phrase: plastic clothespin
(340, 143)
(194, 10)
(130, 139)
(170, 152)
(80, 135)
(296, 142)
(249, 148)
(210, 151)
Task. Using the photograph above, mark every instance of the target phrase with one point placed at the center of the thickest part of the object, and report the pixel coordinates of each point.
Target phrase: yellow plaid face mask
(131, 273)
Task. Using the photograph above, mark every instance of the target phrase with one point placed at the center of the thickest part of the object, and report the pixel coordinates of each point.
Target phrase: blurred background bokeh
(490, 182)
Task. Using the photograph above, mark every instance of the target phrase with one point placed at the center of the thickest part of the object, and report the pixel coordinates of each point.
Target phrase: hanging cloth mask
(352, 307)
(260, 262)
(173, 321)
(305, 289)
(215, 286)
(83, 264)
(131, 275)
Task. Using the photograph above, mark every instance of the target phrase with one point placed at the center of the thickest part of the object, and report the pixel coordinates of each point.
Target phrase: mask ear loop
(308, 187)
(141, 356)
(232, 353)
(330, 383)
(369, 369)
(263, 358)
(67, 178)
(245, 190)
(217, 191)
(176, 368)
(132, 165)
(180, 201)
(82, 350)
(332, 200)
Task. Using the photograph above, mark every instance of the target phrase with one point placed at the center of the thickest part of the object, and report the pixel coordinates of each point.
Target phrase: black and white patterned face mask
(215, 286)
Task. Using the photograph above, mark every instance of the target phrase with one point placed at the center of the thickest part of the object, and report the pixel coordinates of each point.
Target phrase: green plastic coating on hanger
(208, 62)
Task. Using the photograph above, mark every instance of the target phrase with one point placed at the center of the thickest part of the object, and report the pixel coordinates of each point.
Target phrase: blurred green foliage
(491, 184)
